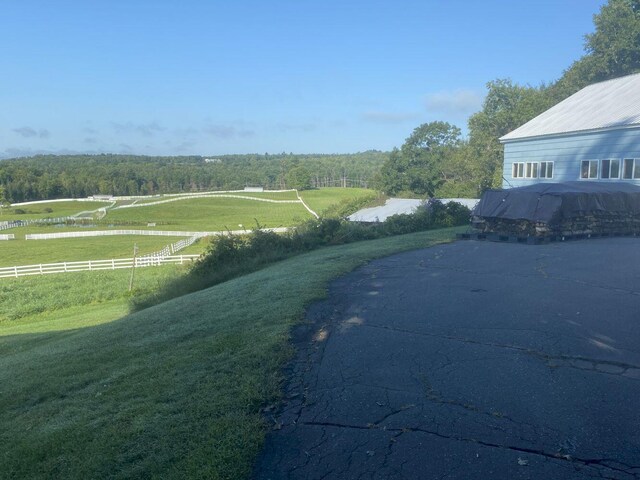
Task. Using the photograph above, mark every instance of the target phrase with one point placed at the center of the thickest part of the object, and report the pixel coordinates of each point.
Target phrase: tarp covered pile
(560, 209)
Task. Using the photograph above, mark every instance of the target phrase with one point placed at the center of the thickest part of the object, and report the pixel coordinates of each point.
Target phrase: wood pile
(587, 223)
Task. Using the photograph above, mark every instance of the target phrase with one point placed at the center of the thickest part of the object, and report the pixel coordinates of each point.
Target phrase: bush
(19, 211)
(229, 256)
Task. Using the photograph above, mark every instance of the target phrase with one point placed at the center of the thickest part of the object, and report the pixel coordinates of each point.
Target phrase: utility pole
(133, 267)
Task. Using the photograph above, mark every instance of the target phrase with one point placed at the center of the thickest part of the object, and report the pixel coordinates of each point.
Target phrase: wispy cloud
(29, 132)
(225, 132)
(379, 116)
(460, 101)
(143, 129)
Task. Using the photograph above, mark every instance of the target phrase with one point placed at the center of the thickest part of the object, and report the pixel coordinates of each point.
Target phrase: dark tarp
(552, 202)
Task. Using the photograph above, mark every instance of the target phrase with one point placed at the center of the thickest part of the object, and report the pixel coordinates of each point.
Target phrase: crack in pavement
(605, 463)
(616, 368)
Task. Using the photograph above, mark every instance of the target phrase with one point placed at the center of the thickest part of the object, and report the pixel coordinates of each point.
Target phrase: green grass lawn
(213, 214)
(58, 209)
(289, 195)
(170, 392)
(321, 199)
(52, 301)
(204, 214)
(31, 252)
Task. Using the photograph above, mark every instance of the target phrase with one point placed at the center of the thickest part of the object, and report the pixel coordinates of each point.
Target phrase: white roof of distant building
(611, 104)
(395, 206)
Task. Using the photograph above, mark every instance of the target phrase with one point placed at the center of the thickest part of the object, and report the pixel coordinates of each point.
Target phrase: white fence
(37, 221)
(92, 265)
(102, 233)
(177, 199)
(10, 236)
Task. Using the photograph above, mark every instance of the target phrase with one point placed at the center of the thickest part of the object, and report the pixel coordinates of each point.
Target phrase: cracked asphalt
(471, 360)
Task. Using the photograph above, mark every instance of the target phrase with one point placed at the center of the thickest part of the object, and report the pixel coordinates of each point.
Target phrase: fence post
(16, 270)
(113, 264)
(41, 269)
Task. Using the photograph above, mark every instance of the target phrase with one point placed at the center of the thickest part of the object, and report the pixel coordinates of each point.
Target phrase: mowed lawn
(213, 214)
(171, 392)
(321, 199)
(58, 209)
(32, 252)
(287, 195)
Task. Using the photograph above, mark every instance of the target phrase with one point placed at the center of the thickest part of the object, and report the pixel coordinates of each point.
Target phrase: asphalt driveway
(472, 360)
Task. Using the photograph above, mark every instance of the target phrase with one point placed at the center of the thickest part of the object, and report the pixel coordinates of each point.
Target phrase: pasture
(215, 212)
(320, 200)
(211, 214)
(48, 210)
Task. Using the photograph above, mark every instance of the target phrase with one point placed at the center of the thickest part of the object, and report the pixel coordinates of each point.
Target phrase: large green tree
(611, 51)
(420, 166)
(506, 107)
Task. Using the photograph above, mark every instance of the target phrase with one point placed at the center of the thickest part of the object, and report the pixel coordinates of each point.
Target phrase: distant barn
(594, 135)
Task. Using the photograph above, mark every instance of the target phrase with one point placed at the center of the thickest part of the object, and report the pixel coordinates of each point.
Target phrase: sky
(188, 77)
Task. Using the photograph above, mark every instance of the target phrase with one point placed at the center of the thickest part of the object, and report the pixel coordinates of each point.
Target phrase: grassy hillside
(204, 214)
(321, 199)
(173, 391)
(185, 214)
(49, 210)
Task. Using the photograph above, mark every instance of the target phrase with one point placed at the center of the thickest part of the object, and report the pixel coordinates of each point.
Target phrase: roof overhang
(566, 134)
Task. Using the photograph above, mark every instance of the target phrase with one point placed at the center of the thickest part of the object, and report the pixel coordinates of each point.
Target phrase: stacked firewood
(588, 223)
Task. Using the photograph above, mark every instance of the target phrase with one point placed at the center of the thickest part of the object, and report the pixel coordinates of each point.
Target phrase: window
(589, 169)
(532, 170)
(610, 169)
(517, 170)
(631, 168)
(546, 169)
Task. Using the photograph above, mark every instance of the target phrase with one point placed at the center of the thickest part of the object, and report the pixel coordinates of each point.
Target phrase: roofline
(573, 132)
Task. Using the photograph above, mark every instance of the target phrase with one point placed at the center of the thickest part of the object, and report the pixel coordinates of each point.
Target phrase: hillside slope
(174, 391)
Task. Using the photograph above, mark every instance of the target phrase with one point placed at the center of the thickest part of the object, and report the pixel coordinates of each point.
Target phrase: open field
(286, 195)
(63, 301)
(30, 252)
(41, 210)
(321, 199)
(192, 214)
(212, 214)
(173, 391)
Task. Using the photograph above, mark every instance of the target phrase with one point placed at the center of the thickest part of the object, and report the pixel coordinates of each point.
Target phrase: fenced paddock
(92, 265)
(104, 233)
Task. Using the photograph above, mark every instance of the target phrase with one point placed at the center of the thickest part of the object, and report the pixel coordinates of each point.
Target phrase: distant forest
(74, 176)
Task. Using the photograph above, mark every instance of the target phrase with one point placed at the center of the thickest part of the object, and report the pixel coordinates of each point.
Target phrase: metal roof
(611, 104)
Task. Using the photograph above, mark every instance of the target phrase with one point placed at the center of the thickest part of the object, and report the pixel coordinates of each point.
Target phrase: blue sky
(213, 77)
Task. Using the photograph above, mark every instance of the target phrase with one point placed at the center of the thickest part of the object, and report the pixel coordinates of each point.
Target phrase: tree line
(436, 161)
(75, 176)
